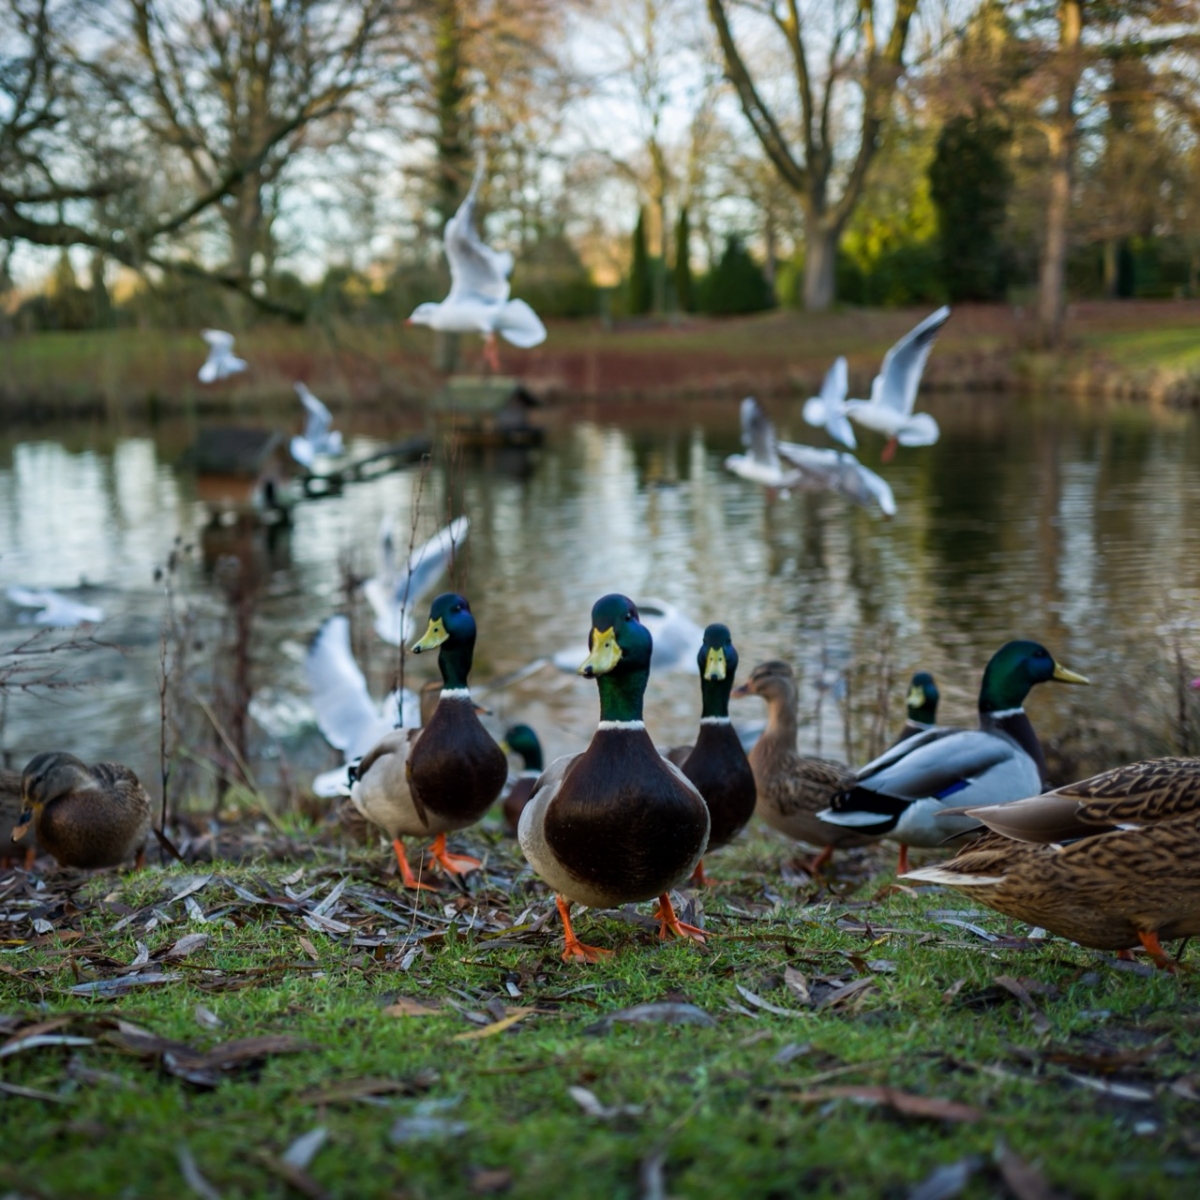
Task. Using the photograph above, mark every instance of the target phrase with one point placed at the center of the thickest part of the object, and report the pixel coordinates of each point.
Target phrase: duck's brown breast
(623, 821)
(721, 772)
(456, 768)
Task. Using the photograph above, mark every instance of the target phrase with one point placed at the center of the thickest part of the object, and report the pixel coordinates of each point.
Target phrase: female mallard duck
(920, 705)
(522, 741)
(617, 823)
(445, 775)
(1111, 862)
(717, 764)
(903, 794)
(793, 788)
(97, 816)
(11, 805)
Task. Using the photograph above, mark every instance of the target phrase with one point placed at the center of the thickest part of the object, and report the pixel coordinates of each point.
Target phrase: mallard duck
(921, 705)
(446, 775)
(11, 806)
(617, 823)
(1111, 862)
(901, 794)
(792, 788)
(97, 816)
(717, 764)
(522, 741)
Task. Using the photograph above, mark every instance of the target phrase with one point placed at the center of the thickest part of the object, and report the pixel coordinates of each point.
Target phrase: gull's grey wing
(898, 378)
(218, 339)
(476, 270)
(758, 433)
(428, 561)
(319, 417)
(346, 715)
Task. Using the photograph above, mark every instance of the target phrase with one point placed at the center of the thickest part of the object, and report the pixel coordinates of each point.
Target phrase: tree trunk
(1061, 138)
(820, 258)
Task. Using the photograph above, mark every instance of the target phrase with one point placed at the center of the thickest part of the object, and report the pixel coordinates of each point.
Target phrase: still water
(1078, 527)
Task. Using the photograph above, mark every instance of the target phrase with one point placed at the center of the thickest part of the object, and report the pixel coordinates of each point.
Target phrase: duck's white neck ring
(455, 694)
(605, 726)
(1002, 714)
(715, 721)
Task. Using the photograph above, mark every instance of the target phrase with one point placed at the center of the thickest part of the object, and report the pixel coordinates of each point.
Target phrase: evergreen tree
(641, 283)
(970, 181)
(683, 266)
(737, 283)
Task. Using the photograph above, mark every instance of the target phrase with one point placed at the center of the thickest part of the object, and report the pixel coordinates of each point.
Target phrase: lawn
(1140, 349)
(830, 1040)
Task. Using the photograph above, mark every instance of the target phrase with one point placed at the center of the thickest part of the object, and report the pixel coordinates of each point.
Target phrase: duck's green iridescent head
(1013, 670)
(452, 632)
(922, 699)
(521, 740)
(718, 662)
(621, 647)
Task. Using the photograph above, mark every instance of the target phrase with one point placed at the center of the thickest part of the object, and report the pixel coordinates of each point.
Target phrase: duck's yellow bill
(435, 635)
(604, 656)
(23, 824)
(1064, 676)
(714, 664)
(916, 696)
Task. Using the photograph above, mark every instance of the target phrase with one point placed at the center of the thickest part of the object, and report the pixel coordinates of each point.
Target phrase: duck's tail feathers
(952, 878)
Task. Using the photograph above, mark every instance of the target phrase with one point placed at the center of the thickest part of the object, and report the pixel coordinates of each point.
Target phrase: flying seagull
(319, 437)
(55, 608)
(894, 390)
(392, 593)
(828, 410)
(221, 360)
(478, 301)
(762, 463)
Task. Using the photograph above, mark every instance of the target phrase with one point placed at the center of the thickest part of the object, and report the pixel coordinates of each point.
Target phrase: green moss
(720, 1106)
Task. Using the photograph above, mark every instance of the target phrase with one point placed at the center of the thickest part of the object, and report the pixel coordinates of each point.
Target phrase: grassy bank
(1142, 350)
(840, 1041)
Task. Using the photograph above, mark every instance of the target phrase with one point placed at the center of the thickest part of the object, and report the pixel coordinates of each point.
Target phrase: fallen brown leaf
(1025, 1182)
(507, 1022)
(838, 998)
(1037, 1018)
(407, 1006)
(906, 1104)
(488, 1180)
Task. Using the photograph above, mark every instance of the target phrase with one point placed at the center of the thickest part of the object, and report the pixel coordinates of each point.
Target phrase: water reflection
(1080, 528)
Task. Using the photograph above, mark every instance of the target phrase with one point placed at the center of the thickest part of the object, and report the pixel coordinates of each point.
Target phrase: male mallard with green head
(1110, 862)
(618, 823)
(920, 706)
(903, 794)
(445, 775)
(97, 816)
(793, 788)
(522, 741)
(717, 764)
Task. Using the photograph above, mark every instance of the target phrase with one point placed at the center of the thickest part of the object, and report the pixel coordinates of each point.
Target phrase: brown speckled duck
(617, 823)
(1111, 862)
(11, 804)
(717, 764)
(445, 775)
(97, 816)
(793, 788)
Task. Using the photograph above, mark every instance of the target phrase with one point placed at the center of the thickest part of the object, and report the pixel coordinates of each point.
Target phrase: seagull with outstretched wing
(479, 290)
(319, 436)
(392, 592)
(894, 390)
(828, 410)
(55, 609)
(221, 361)
(761, 463)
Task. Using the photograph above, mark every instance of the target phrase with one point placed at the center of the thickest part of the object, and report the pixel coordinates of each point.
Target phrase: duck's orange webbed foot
(902, 861)
(452, 864)
(671, 926)
(699, 879)
(1157, 954)
(573, 949)
(816, 866)
(409, 880)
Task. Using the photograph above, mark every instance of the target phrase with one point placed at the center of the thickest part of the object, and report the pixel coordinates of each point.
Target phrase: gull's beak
(435, 635)
(604, 656)
(916, 697)
(23, 822)
(1064, 676)
(714, 664)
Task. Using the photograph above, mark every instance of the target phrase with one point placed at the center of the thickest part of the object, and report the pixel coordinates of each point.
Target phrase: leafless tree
(855, 83)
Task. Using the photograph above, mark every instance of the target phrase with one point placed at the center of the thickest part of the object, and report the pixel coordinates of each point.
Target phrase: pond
(1076, 526)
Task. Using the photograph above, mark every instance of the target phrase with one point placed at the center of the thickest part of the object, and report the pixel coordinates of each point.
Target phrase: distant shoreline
(1130, 351)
